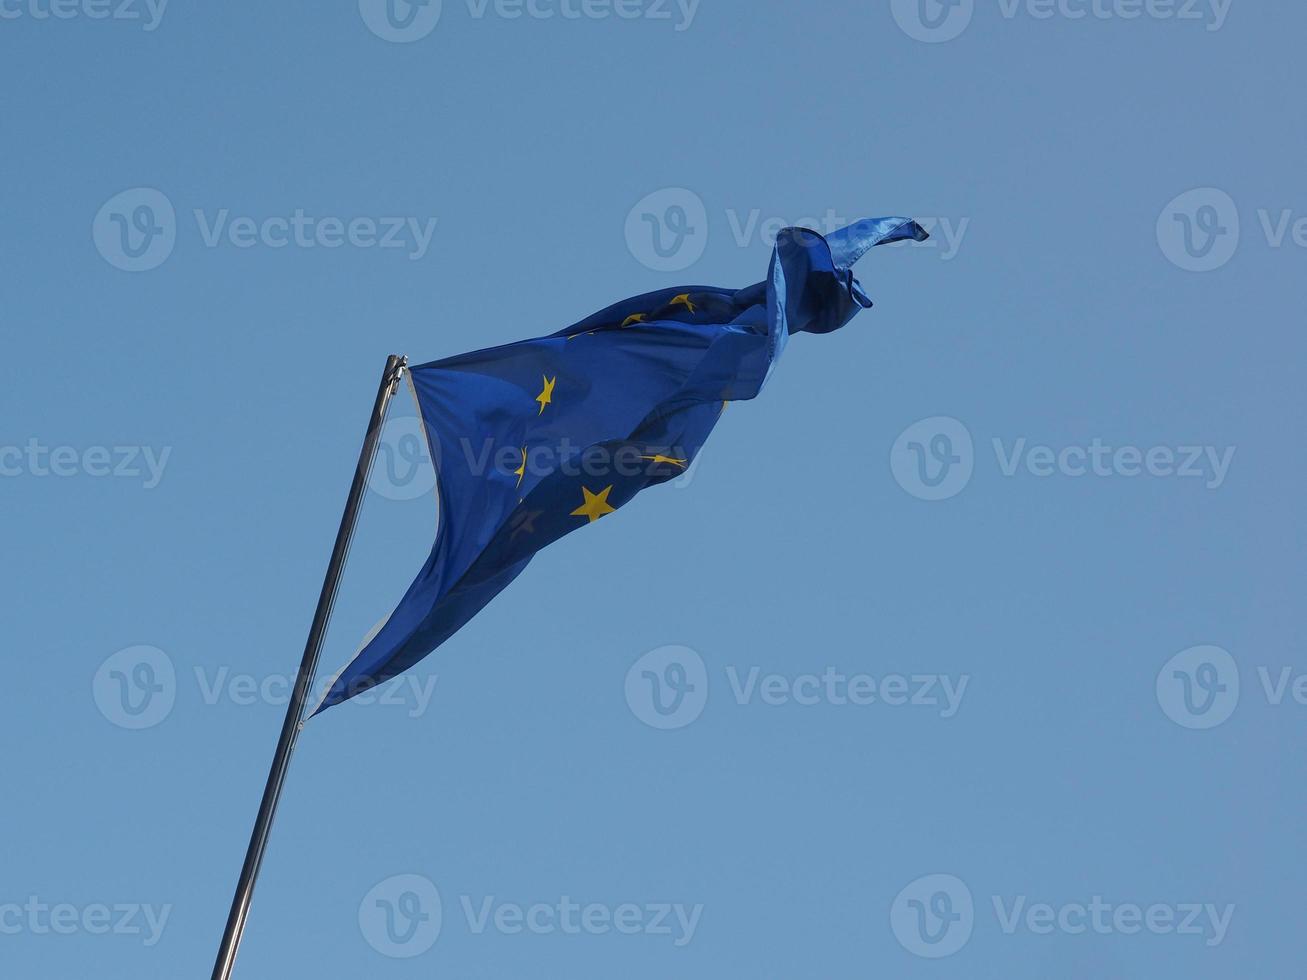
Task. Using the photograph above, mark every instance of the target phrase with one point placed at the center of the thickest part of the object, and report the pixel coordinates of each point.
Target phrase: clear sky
(985, 617)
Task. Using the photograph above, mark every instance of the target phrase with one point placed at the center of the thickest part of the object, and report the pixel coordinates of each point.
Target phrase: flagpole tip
(396, 364)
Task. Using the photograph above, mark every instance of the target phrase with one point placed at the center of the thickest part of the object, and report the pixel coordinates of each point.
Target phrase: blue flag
(535, 439)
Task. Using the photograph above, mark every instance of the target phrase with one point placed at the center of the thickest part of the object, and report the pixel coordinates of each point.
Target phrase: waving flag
(535, 439)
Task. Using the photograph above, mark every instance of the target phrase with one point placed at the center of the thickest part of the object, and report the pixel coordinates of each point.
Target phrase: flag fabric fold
(535, 439)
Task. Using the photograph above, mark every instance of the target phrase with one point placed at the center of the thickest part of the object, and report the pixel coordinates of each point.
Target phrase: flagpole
(290, 729)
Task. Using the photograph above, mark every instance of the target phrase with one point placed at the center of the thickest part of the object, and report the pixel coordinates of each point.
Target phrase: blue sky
(973, 647)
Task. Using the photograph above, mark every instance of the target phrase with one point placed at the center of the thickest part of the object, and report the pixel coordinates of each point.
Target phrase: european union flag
(536, 439)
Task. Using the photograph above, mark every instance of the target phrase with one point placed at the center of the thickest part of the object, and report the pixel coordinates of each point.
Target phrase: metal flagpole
(290, 729)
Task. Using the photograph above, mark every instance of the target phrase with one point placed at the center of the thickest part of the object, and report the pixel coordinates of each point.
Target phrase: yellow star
(546, 395)
(635, 318)
(683, 300)
(520, 472)
(596, 504)
(660, 458)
